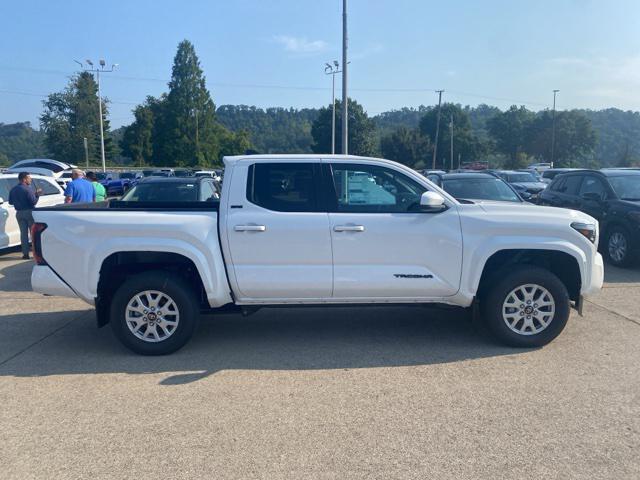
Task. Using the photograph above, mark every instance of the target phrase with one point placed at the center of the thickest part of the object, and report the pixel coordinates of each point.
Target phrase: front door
(384, 247)
(278, 232)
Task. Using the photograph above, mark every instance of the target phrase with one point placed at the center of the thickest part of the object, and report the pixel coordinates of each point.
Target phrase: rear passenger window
(5, 187)
(46, 187)
(283, 187)
(593, 185)
(570, 185)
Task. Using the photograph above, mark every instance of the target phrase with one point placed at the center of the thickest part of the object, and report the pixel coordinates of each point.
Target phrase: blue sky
(272, 53)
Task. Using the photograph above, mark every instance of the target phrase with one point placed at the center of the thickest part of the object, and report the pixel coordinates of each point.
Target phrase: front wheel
(618, 246)
(154, 313)
(528, 307)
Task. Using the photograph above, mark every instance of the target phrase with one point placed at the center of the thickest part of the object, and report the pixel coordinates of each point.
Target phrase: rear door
(50, 195)
(8, 223)
(593, 194)
(384, 246)
(277, 232)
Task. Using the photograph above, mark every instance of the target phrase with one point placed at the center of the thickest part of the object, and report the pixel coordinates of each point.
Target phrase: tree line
(183, 127)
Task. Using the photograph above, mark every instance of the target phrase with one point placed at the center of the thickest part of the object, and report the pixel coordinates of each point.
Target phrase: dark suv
(612, 197)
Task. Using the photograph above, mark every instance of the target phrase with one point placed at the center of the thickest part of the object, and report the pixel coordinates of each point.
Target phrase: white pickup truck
(317, 230)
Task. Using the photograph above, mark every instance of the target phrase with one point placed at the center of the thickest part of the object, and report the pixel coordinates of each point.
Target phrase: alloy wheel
(152, 316)
(528, 309)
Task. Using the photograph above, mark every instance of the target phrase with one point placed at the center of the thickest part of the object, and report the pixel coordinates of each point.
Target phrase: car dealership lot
(408, 392)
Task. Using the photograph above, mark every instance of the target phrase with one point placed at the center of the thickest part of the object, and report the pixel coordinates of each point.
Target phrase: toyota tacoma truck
(316, 230)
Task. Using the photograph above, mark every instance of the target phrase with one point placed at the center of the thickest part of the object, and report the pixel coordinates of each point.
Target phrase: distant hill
(288, 130)
(19, 141)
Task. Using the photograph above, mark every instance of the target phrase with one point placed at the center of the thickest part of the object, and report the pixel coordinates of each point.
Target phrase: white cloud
(300, 44)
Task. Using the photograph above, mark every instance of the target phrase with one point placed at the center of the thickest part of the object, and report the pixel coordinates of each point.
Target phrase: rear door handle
(348, 228)
(249, 228)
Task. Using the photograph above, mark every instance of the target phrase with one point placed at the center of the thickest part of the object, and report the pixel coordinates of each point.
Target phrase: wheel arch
(561, 263)
(121, 265)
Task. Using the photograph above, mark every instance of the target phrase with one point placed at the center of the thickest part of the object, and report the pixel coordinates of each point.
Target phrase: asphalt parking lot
(315, 393)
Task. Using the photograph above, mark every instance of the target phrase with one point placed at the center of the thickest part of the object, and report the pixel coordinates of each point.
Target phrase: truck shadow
(15, 277)
(271, 339)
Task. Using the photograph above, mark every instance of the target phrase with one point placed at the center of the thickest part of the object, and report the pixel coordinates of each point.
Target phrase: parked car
(317, 230)
(610, 196)
(183, 172)
(162, 173)
(173, 189)
(119, 183)
(550, 174)
(51, 194)
(47, 167)
(524, 182)
(476, 186)
(215, 174)
(540, 167)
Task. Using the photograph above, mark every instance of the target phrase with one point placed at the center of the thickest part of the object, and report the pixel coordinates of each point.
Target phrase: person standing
(100, 192)
(79, 189)
(24, 199)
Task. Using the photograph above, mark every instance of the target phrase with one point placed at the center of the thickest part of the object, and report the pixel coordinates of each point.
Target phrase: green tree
(407, 146)
(189, 134)
(72, 115)
(361, 130)
(575, 138)
(137, 141)
(465, 143)
(510, 131)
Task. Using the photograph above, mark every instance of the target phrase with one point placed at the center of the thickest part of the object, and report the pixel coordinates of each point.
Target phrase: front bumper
(594, 283)
(44, 280)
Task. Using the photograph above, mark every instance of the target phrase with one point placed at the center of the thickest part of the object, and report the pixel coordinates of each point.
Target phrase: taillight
(36, 242)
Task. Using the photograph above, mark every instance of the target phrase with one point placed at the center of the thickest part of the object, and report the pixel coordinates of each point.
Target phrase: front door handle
(348, 228)
(249, 228)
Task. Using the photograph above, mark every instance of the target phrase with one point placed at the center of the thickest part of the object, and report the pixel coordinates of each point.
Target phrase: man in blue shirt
(79, 190)
(24, 199)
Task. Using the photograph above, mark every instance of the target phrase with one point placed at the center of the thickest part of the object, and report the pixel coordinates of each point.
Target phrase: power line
(294, 87)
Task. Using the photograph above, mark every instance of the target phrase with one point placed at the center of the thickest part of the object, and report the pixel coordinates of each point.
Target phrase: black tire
(492, 307)
(610, 254)
(173, 287)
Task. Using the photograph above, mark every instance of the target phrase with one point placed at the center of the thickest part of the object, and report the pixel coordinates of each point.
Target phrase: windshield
(480, 189)
(522, 177)
(160, 174)
(162, 192)
(182, 173)
(627, 187)
(127, 175)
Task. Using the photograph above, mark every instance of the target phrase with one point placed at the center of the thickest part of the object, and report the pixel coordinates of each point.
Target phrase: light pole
(553, 128)
(435, 146)
(98, 71)
(451, 134)
(332, 70)
(345, 97)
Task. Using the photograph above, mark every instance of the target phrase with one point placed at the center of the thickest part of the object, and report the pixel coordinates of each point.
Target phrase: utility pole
(98, 71)
(345, 96)
(197, 138)
(435, 146)
(451, 134)
(332, 70)
(86, 151)
(553, 128)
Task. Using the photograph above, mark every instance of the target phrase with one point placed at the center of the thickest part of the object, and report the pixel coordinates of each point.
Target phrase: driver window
(373, 189)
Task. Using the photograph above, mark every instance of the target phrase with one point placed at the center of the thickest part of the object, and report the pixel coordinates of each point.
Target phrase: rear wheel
(528, 307)
(154, 313)
(618, 246)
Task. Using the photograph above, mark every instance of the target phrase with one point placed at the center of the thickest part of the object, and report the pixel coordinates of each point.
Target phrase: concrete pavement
(314, 393)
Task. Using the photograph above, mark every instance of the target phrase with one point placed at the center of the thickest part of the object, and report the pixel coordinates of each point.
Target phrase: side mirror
(432, 202)
(525, 195)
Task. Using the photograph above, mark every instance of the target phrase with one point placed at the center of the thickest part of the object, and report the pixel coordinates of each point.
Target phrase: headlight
(589, 230)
